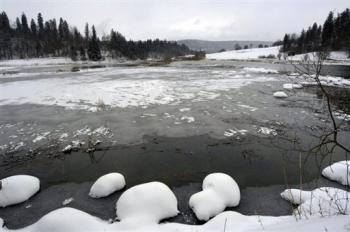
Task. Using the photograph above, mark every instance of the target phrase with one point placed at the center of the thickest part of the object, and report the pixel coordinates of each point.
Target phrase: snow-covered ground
(70, 219)
(142, 207)
(245, 54)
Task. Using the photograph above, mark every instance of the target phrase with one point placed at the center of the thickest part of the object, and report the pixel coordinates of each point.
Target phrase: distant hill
(216, 46)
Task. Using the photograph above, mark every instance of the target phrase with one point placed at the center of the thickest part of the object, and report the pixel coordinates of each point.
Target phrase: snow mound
(245, 54)
(107, 184)
(325, 201)
(17, 189)
(219, 191)
(339, 172)
(280, 94)
(147, 203)
(292, 86)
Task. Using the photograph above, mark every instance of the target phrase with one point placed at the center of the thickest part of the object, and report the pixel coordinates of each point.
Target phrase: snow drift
(324, 201)
(219, 191)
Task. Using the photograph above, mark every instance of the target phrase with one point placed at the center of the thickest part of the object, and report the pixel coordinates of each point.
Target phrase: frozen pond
(173, 123)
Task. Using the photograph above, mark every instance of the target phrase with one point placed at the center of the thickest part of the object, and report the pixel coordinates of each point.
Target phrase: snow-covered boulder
(107, 184)
(339, 171)
(325, 201)
(280, 94)
(17, 189)
(292, 86)
(219, 191)
(146, 203)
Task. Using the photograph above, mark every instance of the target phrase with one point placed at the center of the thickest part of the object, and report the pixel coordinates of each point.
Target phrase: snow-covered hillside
(244, 54)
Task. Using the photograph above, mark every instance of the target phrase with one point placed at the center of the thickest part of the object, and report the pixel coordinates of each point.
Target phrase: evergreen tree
(328, 29)
(94, 52)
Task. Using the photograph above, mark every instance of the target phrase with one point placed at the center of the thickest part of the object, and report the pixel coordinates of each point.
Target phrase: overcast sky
(184, 19)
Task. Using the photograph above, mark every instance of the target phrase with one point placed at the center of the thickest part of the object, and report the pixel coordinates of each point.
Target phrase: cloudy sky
(184, 19)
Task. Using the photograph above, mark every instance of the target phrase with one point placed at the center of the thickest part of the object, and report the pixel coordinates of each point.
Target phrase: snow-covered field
(341, 57)
(245, 54)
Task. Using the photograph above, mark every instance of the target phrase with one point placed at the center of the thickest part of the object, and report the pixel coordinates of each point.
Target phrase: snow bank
(69, 219)
(36, 61)
(292, 86)
(147, 203)
(219, 191)
(107, 184)
(339, 172)
(280, 94)
(325, 201)
(17, 189)
(245, 54)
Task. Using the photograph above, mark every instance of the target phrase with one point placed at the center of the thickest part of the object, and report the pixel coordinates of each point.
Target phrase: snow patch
(107, 184)
(244, 54)
(219, 191)
(67, 201)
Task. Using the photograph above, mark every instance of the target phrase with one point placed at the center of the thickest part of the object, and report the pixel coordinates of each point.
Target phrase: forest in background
(40, 38)
(333, 35)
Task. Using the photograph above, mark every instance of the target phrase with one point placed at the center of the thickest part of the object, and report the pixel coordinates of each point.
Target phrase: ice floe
(292, 86)
(280, 94)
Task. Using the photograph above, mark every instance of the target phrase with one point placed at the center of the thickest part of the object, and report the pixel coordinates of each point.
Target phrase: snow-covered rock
(147, 203)
(17, 189)
(339, 171)
(219, 191)
(107, 184)
(280, 94)
(292, 86)
(325, 201)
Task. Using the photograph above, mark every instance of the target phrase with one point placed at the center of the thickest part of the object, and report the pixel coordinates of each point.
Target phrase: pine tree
(94, 52)
(328, 29)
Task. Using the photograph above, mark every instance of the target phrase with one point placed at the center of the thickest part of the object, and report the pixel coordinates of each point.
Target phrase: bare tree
(311, 67)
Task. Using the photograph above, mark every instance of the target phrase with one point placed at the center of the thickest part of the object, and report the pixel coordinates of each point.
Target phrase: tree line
(40, 38)
(334, 35)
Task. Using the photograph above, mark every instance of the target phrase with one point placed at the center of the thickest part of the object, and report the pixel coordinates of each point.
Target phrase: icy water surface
(173, 123)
